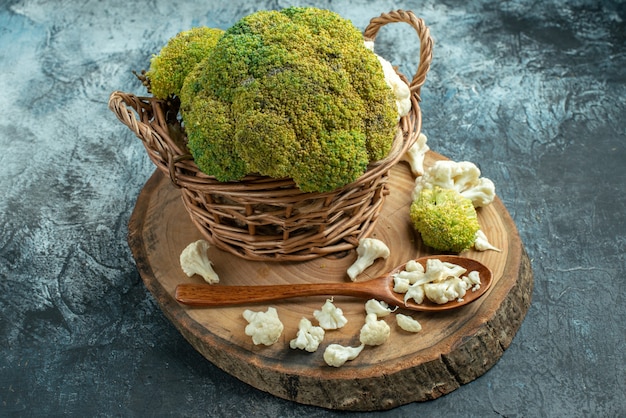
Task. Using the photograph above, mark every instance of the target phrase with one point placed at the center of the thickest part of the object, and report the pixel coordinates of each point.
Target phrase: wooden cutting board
(452, 349)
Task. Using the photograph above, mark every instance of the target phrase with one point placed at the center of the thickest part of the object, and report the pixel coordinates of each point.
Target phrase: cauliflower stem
(195, 260)
(368, 250)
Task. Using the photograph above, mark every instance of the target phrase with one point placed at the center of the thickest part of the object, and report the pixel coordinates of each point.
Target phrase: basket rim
(169, 156)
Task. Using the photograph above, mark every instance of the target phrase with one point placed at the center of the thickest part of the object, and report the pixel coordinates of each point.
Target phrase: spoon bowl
(380, 288)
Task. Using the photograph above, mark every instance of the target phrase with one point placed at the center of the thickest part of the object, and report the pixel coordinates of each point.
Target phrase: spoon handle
(223, 295)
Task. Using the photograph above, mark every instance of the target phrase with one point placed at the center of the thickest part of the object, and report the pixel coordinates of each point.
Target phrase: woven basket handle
(118, 102)
(426, 42)
(162, 150)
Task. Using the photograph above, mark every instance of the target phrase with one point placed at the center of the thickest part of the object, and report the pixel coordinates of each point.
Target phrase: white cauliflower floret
(336, 355)
(411, 276)
(194, 260)
(412, 272)
(330, 316)
(440, 282)
(481, 243)
(437, 270)
(415, 292)
(408, 323)
(374, 331)
(308, 337)
(414, 265)
(482, 193)
(400, 284)
(400, 89)
(415, 155)
(445, 291)
(264, 327)
(463, 177)
(369, 249)
(472, 280)
(377, 307)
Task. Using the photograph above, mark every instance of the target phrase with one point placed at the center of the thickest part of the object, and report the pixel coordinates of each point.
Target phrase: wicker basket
(262, 218)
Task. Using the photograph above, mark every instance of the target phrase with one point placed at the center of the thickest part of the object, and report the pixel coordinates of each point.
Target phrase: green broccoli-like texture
(446, 220)
(178, 58)
(292, 93)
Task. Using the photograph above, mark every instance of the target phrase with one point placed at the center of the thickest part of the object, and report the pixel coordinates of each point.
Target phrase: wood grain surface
(452, 349)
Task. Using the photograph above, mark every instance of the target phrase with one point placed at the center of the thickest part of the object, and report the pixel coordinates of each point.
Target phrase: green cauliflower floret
(446, 220)
(292, 93)
(177, 59)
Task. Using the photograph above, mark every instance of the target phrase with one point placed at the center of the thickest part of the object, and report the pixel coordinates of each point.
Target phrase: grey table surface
(532, 91)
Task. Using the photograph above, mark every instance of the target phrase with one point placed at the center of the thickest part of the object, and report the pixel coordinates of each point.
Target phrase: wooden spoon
(381, 288)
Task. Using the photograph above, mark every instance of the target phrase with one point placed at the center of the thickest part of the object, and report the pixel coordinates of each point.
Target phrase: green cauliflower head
(292, 93)
(177, 59)
(446, 220)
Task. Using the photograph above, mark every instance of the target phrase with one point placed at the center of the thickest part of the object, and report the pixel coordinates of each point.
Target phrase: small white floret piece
(330, 316)
(400, 284)
(415, 292)
(414, 265)
(454, 270)
(472, 280)
(374, 331)
(308, 337)
(481, 243)
(264, 327)
(440, 282)
(368, 251)
(437, 270)
(481, 193)
(463, 177)
(415, 155)
(408, 323)
(445, 291)
(336, 355)
(412, 276)
(413, 272)
(378, 307)
(194, 260)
